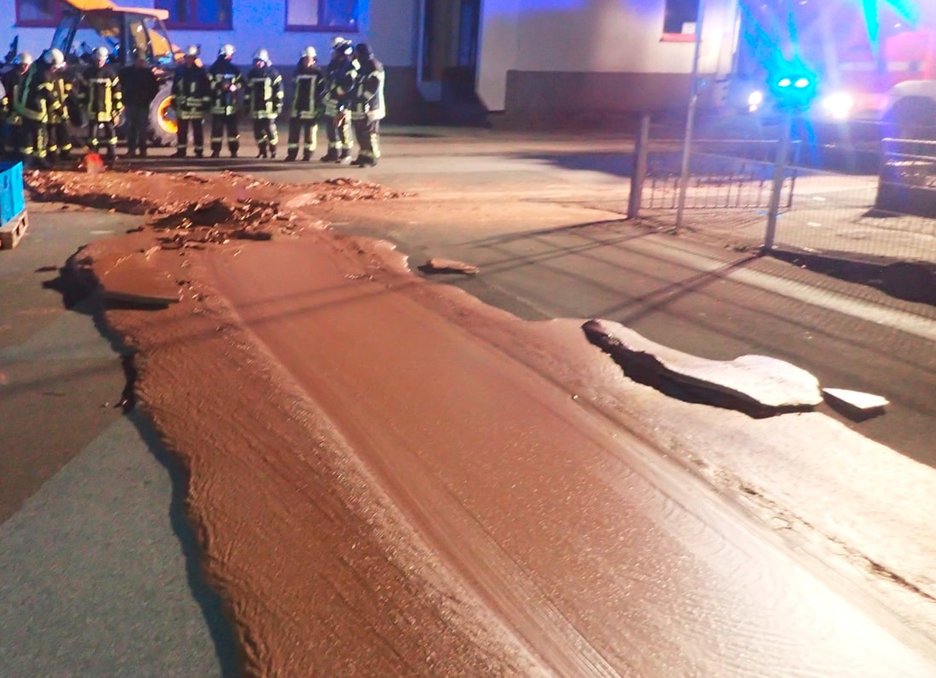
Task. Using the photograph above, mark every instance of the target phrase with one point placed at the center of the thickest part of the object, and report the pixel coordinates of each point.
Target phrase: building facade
(520, 57)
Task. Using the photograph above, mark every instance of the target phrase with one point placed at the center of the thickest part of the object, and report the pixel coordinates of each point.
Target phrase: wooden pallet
(12, 231)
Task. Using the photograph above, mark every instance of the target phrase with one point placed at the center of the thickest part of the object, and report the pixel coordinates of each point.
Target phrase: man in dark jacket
(226, 82)
(340, 75)
(367, 106)
(140, 87)
(59, 136)
(102, 100)
(12, 85)
(308, 85)
(32, 104)
(191, 92)
(264, 101)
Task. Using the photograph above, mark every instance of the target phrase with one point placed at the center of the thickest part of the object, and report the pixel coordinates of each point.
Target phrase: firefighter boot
(344, 158)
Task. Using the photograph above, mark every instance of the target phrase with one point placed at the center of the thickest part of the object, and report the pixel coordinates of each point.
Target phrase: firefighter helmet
(101, 54)
(192, 51)
(309, 53)
(54, 58)
(226, 51)
(262, 55)
(342, 46)
(23, 59)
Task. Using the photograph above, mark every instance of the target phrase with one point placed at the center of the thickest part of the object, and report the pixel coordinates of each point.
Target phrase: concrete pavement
(100, 575)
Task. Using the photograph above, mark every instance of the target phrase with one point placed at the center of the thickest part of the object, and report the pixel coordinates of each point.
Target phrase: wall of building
(559, 55)
(389, 30)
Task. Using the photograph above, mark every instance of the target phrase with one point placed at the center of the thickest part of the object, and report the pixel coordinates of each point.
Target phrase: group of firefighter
(346, 96)
(39, 100)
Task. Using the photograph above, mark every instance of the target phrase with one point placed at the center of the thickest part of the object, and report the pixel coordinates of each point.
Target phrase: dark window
(681, 16)
(197, 13)
(38, 12)
(326, 15)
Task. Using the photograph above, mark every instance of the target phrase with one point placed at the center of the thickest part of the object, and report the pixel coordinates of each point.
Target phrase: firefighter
(367, 106)
(191, 90)
(13, 141)
(140, 86)
(102, 100)
(264, 100)
(60, 145)
(308, 83)
(340, 75)
(32, 104)
(226, 82)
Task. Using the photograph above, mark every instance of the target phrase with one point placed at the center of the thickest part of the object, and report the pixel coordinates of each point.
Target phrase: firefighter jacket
(101, 96)
(367, 97)
(35, 94)
(61, 93)
(264, 94)
(12, 86)
(191, 91)
(308, 88)
(226, 82)
(340, 76)
(139, 84)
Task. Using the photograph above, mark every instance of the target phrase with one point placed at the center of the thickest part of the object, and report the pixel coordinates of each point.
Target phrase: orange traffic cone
(93, 163)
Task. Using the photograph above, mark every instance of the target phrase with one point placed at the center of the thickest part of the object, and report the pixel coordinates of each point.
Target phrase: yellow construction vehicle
(89, 24)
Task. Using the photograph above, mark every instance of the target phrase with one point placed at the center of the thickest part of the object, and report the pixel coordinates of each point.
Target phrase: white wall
(603, 36)
(389, 29)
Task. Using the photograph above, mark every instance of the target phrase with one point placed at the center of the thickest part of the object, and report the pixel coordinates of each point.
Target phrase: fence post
(640, 167)
(776, 187)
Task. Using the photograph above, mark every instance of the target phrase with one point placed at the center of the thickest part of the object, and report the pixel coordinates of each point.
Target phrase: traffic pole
(776, 188)
(690, 118)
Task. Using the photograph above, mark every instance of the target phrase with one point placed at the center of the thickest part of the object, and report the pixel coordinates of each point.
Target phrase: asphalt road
(517, 206)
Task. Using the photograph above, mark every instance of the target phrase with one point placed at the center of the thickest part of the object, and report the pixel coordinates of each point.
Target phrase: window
(680, 17)
(197, 13)
(324, 15)
(38, 12)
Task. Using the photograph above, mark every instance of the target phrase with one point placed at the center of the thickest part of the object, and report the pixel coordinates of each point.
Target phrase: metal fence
(885, 217)
(717, 180)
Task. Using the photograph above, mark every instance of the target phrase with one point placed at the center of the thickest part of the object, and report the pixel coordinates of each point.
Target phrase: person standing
(60, 145)
(102, 99)
(191, 96)
(308, 84)
(340, 75)
(12, 84)
(32, 104)
(140, 86)
(226, 82)
(367, 106)
(264, 100)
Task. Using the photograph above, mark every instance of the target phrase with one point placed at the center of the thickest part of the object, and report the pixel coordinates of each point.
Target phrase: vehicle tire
(912, 118)
(163, 126)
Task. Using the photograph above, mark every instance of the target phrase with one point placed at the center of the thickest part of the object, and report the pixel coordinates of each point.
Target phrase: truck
(874, 61)
(88, 24)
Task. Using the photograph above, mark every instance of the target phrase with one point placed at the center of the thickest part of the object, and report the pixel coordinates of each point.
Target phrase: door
(448, 48)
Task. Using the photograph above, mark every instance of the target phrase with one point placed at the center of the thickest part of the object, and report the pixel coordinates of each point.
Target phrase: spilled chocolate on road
(389, 478)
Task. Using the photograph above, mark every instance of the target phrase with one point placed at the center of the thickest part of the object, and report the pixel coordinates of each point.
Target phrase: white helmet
(262, 55)
(100, 54)
(309, 53)
(23, 58)
(342, 46)
(226, 51)
(55, 58)
(192, 51)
